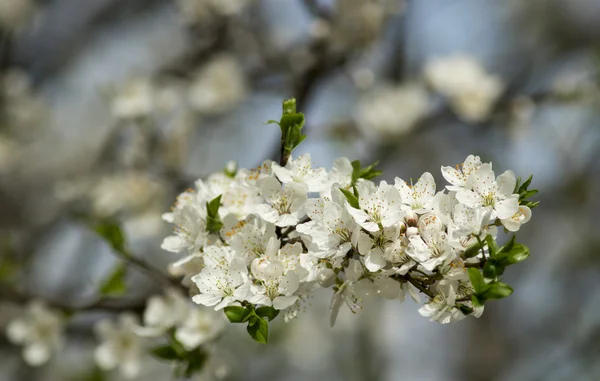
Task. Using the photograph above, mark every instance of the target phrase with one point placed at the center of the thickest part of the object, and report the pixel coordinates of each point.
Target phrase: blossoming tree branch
(258, 243)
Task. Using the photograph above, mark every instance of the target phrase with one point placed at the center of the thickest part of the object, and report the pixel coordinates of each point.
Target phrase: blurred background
(113, 107)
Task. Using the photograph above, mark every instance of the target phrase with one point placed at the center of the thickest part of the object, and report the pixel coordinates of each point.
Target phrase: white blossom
(431, 247)
(522, 216)
(459, 176)
(190, 230)
(300, 171)
(224, 279)
(377, 246)
(442, 308)
(331, 227)
(283, 204)
(491, 192)
(276, 287)
(347, 292)
(378, 207)
(418, 196)
(252, 238)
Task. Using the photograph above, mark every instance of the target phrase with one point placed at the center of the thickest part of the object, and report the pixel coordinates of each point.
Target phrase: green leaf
(291, 124)
(525, 185)
(113, 234)
(355, 170)
(195, 364)
(477, 301)
(213, 221)
(352, 199)
(492, 245)
(259, 330)
(517, 185)
(530, 204)
(237, 314)
(525, 193)
(367, 173)
(267, 312)
(517, 253)
(165, 352)
(530, 193)
(114, 285)
(497, 290)
(212, 207)
(477, 280)
(289, 121)
(491, 270)
(472, 251)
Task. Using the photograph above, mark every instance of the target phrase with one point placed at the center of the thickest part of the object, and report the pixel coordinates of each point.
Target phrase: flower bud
(402, 228)
(412, 231)
(326, 278)
(411, 218)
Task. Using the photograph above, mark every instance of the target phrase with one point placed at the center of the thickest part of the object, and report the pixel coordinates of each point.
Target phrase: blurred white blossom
(124, 192)
(199, 11)
(357, 23)
(200, 326)
(120, 346)
(392, 111)
(15, 14)
(218, 86)
(462, 79)
(135, 99)
(39, 330)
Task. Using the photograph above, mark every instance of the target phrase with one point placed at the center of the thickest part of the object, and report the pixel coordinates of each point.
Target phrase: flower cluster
(260, 242)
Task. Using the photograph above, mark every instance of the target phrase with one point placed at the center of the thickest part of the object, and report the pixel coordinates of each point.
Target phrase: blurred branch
(102, 304)
(316, 10)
